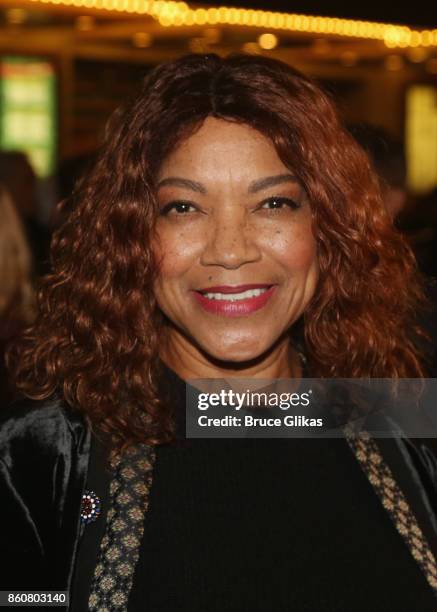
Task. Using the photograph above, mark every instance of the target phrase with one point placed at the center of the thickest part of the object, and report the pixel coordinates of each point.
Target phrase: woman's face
(237, 254)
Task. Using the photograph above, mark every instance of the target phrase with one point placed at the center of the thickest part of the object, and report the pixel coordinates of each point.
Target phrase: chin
(244, 350)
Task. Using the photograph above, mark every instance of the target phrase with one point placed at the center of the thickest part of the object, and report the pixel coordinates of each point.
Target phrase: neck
(184, 358)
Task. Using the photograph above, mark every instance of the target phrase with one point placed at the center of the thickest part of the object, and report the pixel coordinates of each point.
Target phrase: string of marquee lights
(172, 13)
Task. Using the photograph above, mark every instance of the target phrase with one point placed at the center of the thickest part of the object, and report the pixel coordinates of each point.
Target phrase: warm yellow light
(421, 138)
(426, 38)
(415, 39)
(172, 13)
(186, 17)
(249, 17)
(200, 16)
(267, 41)
(212, 16)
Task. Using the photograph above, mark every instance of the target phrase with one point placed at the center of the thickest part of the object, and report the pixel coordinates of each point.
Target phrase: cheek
(176, 251)
(296, 250)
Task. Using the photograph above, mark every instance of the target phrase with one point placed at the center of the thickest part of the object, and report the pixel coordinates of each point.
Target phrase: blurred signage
(28, 110)
(421, 137)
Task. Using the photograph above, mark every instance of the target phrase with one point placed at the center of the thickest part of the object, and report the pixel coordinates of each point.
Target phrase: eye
(278, 203)
(179, 206)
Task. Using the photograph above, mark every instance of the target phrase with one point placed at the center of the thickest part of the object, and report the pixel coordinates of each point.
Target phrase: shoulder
(40, 425)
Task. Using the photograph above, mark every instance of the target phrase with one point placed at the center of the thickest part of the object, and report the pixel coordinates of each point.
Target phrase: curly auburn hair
(97, 336)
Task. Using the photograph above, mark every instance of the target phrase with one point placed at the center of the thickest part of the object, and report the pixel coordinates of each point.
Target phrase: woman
(227, 211)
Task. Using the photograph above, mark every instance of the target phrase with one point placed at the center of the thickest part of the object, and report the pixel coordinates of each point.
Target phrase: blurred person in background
(18, 177)
(16, 291)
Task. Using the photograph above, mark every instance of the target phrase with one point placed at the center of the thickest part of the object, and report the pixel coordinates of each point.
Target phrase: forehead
(221, 148)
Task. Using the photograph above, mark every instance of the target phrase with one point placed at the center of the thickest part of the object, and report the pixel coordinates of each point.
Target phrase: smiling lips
(233, 301)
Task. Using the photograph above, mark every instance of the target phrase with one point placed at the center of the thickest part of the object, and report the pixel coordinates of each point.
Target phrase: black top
(238, 525)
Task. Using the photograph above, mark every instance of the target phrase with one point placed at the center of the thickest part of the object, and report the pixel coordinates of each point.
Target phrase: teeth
(233, 297)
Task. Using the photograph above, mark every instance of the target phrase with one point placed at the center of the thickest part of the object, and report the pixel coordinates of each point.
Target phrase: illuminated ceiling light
(85, 23)
(252, 48)
(417, 54)
(364, 28)
(393, 36)
(247, 17)
(212, 16)
(426, 38)
(172, 13)
(177, 20)
(187, 18)
(280, 22)
(349, 59)
(131, 6)
(200, 16)
(212, 35)
(267, 41)
(250, 17)
(222, 13)
(305, 23)
(16, 16)
(142, 40)
(415, 39)
(393, 63)
(349, 28)
(289, 22)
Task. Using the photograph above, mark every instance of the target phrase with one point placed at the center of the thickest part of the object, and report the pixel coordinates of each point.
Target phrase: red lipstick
(236, 307)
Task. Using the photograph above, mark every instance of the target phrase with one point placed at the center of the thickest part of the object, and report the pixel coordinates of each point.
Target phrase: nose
(230, 243)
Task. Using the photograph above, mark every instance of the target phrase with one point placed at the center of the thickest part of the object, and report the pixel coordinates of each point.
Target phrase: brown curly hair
(97, 336)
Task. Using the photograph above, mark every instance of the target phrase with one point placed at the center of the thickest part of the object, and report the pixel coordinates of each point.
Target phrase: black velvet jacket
(44, 452)
(44, 457)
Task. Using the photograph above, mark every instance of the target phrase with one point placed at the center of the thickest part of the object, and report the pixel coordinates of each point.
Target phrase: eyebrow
(258, 185)
(271, 181)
